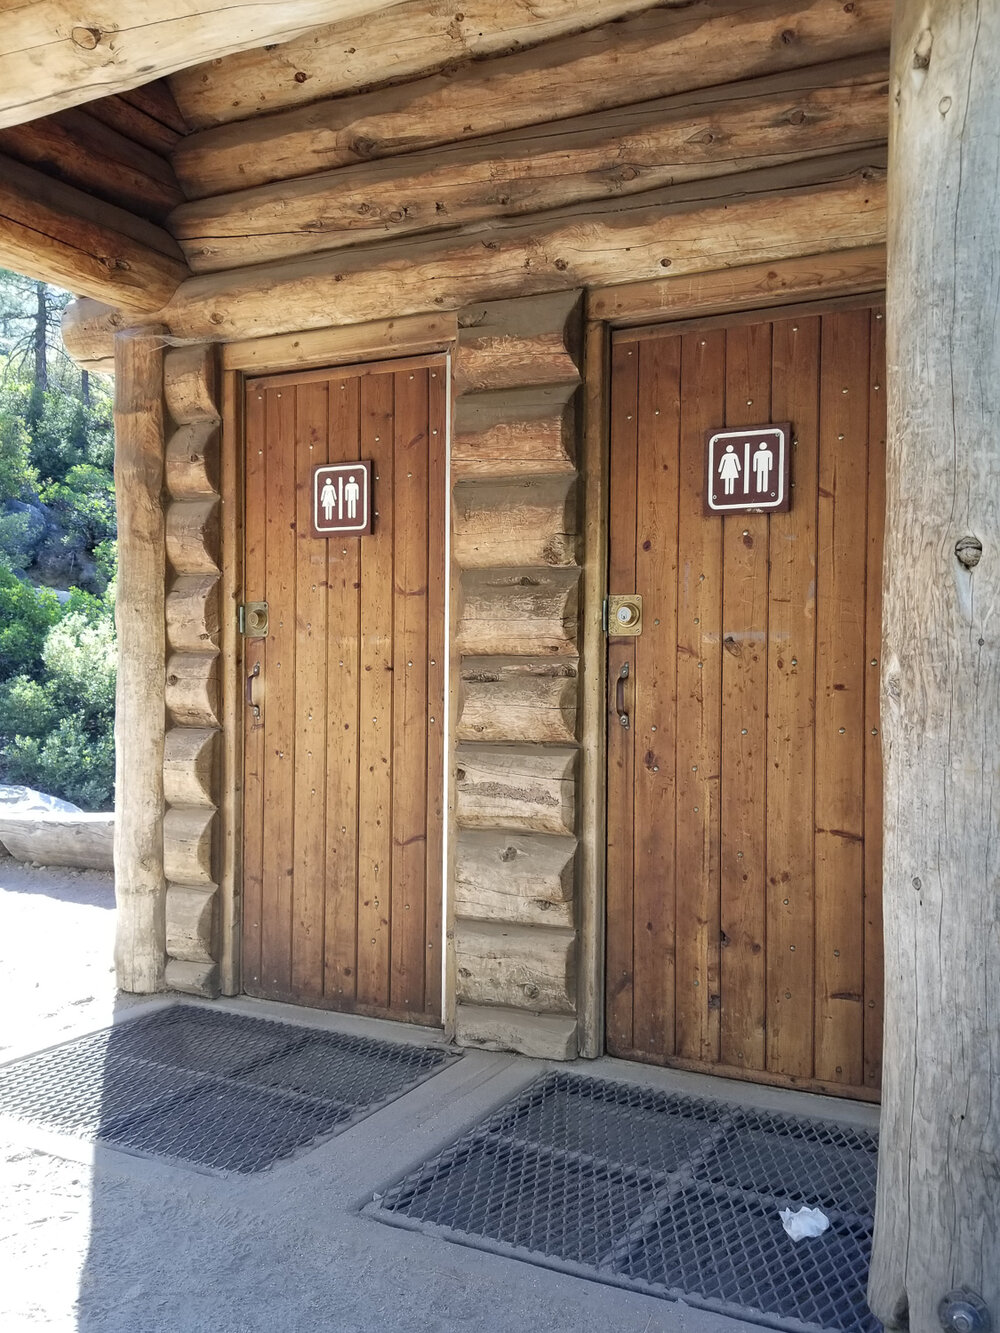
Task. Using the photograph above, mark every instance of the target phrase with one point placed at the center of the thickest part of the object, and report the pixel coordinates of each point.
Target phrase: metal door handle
(620, 695)
(251, 677)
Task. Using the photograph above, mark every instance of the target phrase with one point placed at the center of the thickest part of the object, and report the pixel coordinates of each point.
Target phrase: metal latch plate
(254, 620)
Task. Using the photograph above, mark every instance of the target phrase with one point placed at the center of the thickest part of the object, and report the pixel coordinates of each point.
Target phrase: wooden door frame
(378, 341)
(664, 301)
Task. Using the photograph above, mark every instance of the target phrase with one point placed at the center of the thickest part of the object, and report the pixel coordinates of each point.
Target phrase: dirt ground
(57, 942)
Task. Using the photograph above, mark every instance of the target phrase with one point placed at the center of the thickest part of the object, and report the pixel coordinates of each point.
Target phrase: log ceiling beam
(763, 122)
(59, 53)
(656, 54)
(410, 40)
(61, 235)
(806, 208)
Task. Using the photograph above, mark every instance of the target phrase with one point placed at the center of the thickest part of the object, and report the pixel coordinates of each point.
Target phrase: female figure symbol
(729, 468)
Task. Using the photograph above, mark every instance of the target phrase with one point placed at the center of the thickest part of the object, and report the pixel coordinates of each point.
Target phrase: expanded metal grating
(671, 1195)
(212, 1089)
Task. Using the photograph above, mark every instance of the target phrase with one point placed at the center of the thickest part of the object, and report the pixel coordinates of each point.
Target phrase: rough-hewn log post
(140, 885)
(938, 1222)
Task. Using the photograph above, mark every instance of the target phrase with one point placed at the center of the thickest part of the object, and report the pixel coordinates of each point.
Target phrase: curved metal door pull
(620, 695)
(251, 677)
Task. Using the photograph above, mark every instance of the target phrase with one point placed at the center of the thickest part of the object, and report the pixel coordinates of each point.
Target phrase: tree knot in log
(969, 551)
(87, 38)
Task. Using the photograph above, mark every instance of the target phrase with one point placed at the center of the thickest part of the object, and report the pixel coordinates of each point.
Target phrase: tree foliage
(57, 527)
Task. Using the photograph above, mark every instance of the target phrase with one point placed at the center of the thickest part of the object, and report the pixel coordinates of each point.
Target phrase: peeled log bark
(59, 54)
(193, 689)
(140, 885)
(187, 845)
(527, 788)
(191, 383)
(89, 328)
(193, 623)
(506, 344)
(938, 1220)
(516, 430)
(520, 612)
(193, 536)
(655, 54)
(744, 126)
(780, 213)
(517, 699)
(193, 461)
(515, 521)
(61, 235)
(526, 967)
(192, 922)
(190, 765)
(397, 44)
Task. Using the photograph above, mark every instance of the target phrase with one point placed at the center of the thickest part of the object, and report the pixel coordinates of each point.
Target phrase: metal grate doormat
(670, 1195)
(212, 1089)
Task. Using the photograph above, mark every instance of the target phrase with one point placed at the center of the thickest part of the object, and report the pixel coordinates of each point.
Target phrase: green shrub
(69, 762)
(79, 656)
(26, 615)
(57, 721)
(26, 708)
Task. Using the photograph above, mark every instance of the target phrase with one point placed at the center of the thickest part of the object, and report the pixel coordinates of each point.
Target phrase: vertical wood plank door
(744, 795)
(344, 767)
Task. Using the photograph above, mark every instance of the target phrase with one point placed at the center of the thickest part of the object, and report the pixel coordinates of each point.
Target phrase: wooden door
(342, 866)
(744, 821)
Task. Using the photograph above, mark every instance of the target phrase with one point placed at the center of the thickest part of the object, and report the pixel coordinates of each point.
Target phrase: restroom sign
(746, 470)
(342, 500)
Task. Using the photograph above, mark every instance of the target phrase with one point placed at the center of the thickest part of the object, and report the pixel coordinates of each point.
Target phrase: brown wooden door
(342, 867)
(744, 823)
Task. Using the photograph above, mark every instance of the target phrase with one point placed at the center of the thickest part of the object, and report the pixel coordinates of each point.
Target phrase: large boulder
(44, 830)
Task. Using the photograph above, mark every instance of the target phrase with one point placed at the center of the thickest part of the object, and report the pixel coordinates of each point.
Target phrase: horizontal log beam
(408, 40)
(525, 877)
(517, 967)
(525, 343)
(806, 208)
(765, 122)
(656, 54)
(515, 521)
(527, 788)
(192, 917)
(78, 149)
(55, 55)
(521, 612)
(842, 273)
(192, 689)
(517, 699)
(57, 233)
(493, 1028)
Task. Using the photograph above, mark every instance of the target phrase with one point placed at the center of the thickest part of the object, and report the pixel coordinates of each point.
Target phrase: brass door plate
(253, 620)
(625, 615)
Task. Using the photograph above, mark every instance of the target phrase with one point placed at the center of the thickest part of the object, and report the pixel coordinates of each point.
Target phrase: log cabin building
(567, 753)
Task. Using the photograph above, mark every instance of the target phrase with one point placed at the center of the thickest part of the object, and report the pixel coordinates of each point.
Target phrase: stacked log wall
(192, 683)
(515, 547)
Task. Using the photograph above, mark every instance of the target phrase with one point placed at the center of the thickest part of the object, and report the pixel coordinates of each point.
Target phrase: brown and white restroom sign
(746, 469)
(342, 499)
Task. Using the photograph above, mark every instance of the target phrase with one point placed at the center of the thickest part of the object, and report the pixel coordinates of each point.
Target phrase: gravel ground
(98, 1241)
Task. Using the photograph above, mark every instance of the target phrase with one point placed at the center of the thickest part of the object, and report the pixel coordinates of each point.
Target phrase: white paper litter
(804, 1223)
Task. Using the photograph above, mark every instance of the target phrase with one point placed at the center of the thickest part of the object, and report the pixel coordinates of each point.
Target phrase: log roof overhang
(194, 139)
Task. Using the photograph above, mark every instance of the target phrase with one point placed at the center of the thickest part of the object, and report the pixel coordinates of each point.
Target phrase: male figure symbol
(763, 461)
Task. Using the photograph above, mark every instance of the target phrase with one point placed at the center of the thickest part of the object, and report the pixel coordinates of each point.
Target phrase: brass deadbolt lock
(625, 615)
(253, 620)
